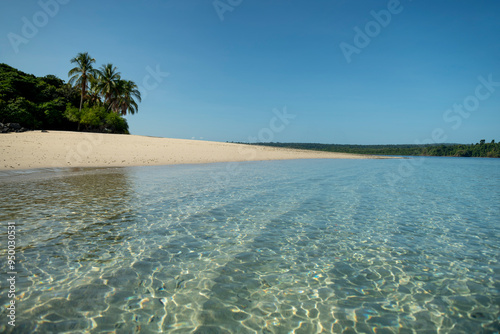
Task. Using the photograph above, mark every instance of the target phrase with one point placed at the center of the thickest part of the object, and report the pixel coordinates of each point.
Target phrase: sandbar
(56, 149)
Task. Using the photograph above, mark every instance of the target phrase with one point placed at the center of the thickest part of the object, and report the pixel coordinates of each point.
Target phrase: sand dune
(38, 149)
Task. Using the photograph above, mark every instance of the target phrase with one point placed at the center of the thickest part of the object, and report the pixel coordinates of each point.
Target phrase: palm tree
(80, 74)
(93, 92)
(108, 81)
(126, 93)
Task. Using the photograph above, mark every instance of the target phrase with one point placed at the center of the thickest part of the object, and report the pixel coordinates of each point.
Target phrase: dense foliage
(35, 102)
(481, 149)
(96, 102)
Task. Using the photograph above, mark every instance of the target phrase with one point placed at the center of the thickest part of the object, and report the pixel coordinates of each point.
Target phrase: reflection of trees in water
(100, 192)
(75, 206)
(100, 203)
(72, 226)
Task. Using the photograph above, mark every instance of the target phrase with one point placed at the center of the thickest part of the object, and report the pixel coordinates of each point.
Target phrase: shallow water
(332, 246)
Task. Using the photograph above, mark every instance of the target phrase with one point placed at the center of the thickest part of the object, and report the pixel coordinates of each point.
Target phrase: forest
(479, 150)
(93, 100)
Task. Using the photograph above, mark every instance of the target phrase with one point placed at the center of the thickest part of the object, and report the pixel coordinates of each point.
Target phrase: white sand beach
(36, 149)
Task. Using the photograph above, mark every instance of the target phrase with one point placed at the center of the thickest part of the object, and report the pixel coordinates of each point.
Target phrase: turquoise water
(306, 246)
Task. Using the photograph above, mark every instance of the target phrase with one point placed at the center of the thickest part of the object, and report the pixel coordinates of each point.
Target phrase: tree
(53, 80)
(53, 112)
(119, 95)
(22, 111)
(97, 118)
(107, 82)
(126, 92)
(93, 117)
(81, 73)
(69, 93)
(49, 103)
(93, 92)
(90, 117)
(115, 123)
(73, 114)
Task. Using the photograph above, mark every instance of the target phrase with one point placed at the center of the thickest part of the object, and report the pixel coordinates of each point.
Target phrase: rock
(14, 126)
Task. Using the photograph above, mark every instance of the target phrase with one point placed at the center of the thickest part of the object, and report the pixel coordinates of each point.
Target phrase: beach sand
(54, 149)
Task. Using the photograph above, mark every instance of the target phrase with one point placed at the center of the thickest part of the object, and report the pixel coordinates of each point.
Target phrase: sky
(323, 71)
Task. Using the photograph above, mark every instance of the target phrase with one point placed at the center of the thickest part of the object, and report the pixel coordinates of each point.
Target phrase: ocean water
(305, 246)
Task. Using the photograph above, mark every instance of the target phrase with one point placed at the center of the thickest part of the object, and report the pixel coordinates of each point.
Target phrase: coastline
(59, 149)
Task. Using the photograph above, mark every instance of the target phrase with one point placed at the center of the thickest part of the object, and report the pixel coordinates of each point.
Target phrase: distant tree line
(481, 149)
(93, 99)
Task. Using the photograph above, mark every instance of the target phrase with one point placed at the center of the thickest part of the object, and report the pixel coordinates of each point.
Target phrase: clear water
(320, 246)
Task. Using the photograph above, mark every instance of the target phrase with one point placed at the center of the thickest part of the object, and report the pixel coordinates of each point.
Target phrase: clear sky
(334, 71)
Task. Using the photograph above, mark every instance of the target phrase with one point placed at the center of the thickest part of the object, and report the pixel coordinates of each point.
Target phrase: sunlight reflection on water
(261, 247)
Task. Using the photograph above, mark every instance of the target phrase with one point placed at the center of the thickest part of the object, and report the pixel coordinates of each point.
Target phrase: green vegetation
(481, 149)
(82, 74)
(93, 99)
(35, 102)
(97, 118)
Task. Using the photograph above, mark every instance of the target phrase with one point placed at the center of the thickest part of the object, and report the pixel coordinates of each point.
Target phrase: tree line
(94, 99)
(480, 150)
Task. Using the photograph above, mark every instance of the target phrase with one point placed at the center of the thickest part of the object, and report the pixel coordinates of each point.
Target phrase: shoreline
(59, 149)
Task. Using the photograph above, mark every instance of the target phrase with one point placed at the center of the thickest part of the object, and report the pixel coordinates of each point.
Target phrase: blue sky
(229, 78)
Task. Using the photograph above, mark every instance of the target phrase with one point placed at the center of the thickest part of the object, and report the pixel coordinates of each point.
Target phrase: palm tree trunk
(81, 102)
(84, 83)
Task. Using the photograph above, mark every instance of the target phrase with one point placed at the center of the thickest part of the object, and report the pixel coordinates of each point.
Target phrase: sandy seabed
(55, 149)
